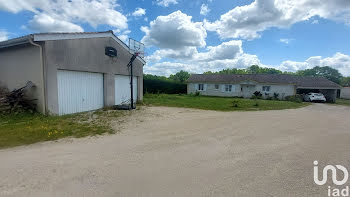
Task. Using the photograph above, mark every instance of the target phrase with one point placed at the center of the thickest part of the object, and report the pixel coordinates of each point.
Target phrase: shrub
(235, 103)
(275, 96)
(295, 98)
(156, 85)
(257, 95)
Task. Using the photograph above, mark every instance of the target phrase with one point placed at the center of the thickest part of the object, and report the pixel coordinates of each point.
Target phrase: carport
(330, 94)
(328, 88)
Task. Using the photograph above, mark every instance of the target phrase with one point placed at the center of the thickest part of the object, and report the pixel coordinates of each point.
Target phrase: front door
(248, 90)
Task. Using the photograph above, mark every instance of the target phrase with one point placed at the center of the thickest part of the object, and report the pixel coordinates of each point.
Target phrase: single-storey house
(234, 85)
(345, 93)
(72, 72)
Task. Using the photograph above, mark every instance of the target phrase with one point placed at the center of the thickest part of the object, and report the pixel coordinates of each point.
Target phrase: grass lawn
(343, 102)
(218, 103)
(29, 128)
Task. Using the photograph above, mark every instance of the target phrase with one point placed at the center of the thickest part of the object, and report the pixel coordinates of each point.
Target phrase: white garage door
(122, 89)
(79, 91)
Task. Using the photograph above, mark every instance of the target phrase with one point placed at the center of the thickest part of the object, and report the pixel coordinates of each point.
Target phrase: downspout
(42, 73)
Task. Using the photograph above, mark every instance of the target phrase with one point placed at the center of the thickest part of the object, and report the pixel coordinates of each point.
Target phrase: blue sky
(201, 35)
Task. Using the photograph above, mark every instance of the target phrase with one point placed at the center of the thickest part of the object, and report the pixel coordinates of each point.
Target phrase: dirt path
(184, 152)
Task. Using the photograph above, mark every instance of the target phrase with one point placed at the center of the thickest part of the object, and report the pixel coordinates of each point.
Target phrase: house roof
(299, 81)
(64, 36)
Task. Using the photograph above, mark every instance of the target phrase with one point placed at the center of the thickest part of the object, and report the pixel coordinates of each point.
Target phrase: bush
(235, 103)
(157, 85)
(257, 95)
(275, 96)
(295, 98)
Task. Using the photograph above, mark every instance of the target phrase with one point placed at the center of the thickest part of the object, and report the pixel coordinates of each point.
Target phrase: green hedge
(155, 86)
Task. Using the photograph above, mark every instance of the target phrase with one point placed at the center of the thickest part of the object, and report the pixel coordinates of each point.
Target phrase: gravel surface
(162, 151)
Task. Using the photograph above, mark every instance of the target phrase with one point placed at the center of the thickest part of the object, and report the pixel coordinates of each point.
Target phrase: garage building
(72, 72)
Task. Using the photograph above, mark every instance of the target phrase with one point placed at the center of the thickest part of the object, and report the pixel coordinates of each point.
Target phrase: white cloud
(338, 61)
(247, 21)
(224, 51)
(315, 22)
(204, 10)
(3, 35)
(63, 12)
(167, 68)
(226, 55)
(123, 36)
(174, 31)
(139, 12)
(285, 40)
(45, 23)
(166, 3)
(16, 6)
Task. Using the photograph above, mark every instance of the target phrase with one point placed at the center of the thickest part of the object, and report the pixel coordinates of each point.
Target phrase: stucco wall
(19, 65)
(345, 93)
(237, 90)
(87, 55)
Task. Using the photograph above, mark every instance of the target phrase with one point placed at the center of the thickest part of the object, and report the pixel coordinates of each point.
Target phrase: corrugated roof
(300, 81)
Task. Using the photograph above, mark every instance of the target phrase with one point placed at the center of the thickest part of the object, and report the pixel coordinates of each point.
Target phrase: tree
(345, 81)
(255, 69)
(181, 76)
(326, 72)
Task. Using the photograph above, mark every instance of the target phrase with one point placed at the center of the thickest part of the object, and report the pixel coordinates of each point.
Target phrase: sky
(201, 35)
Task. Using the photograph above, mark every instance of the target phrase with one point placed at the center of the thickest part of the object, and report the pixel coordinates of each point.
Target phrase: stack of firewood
(15, 101)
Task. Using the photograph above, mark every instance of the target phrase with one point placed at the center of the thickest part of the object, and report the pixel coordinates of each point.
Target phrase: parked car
(312, 97)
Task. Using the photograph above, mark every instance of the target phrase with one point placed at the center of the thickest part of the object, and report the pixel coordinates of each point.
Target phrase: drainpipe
(43, 73)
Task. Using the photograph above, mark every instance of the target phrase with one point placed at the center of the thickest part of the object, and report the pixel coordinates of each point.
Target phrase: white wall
(282, 90)
(345, 93)
(18, 65)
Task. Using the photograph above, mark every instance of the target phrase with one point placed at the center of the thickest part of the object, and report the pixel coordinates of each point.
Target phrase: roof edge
(16, 41)
(65, 36)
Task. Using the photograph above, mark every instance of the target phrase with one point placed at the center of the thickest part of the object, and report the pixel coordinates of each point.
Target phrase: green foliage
(326, 72)
(345, 81)
(275, 95)
(295, 98)
(257, 95)
(217, 103)
(160, 84)
(342, 102)
(235, 103)
(228, 71)
(254, 69)
(181, 76)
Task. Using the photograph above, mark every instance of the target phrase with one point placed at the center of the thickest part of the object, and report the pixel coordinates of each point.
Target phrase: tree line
(176, 83)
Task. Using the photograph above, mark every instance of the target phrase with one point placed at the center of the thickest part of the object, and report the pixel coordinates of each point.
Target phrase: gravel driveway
(183, 152)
